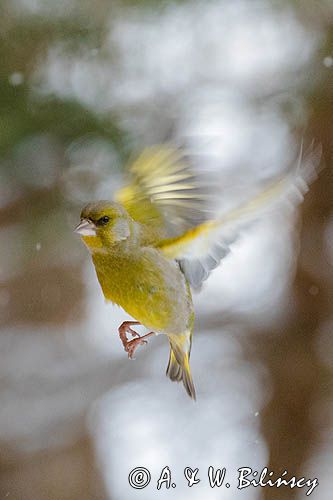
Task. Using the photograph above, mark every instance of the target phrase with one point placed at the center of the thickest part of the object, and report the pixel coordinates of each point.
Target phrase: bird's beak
(85, 228)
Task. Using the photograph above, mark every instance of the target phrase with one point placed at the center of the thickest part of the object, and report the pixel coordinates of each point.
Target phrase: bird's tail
(179, 361)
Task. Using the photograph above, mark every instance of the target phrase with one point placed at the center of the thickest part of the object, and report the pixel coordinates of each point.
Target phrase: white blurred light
(243, 283)
(93, 171)
(149, 57)
(152, 423)
(236, 139)
(47, 386)
(328, 61)
(16, 78)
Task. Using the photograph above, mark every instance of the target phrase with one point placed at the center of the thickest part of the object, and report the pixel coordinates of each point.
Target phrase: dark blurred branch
(298, 376)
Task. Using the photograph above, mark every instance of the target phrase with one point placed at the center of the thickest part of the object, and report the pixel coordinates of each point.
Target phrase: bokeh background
(84, 86)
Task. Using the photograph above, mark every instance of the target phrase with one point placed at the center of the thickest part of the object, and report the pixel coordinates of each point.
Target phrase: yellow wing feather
(200, 249)
(163, 192)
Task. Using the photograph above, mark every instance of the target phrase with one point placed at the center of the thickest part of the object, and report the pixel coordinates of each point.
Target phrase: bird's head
(103, 224)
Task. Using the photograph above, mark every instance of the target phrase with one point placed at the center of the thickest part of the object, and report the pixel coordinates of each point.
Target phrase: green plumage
(156, 241)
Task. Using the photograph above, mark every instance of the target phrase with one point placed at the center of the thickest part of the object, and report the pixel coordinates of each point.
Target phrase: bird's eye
(103, 220)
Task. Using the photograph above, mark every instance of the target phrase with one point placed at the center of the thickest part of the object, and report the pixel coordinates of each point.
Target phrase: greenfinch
(156, 241)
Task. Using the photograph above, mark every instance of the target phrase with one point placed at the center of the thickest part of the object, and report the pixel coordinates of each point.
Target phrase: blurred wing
(163, 192)
(201, 249)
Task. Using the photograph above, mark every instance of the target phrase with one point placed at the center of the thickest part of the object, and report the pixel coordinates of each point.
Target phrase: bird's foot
(130, 346)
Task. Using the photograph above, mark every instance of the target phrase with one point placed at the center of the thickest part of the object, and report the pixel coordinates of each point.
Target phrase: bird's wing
(200, 249)
(163, 192)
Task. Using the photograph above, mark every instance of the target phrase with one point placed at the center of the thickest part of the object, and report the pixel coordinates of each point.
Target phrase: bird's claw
(133, 332)
(130, 346)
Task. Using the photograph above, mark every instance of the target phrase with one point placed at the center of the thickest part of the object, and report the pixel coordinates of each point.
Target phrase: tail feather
(174, 370)
(179, 362)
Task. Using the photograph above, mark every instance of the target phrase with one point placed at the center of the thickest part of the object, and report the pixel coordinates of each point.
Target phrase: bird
(158, 240)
